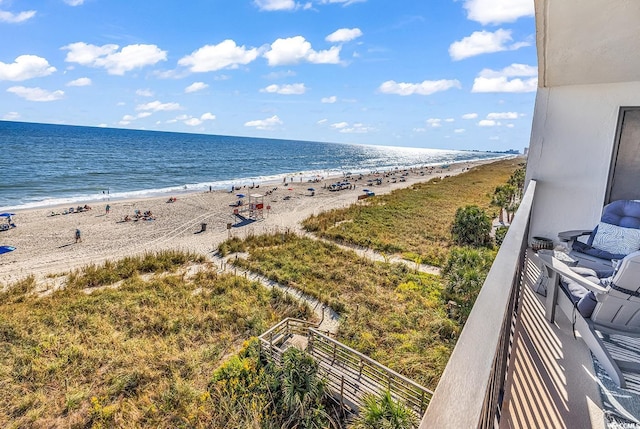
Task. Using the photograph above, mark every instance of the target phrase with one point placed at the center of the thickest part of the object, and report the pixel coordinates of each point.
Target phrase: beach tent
(6, 249)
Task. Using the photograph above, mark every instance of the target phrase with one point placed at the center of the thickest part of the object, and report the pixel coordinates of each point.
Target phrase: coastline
(46, 247)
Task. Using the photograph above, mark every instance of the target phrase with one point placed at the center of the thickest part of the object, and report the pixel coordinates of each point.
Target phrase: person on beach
(107, 208)
(78, 236)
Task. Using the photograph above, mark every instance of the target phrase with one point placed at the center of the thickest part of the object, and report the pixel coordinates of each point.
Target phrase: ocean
(44, 165)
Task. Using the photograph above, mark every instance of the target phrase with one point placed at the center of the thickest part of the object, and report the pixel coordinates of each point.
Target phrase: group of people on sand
(138, 215)
(71, 210)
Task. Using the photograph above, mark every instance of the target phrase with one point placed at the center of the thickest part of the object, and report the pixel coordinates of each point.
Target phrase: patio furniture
(600, 304)
(616, 235)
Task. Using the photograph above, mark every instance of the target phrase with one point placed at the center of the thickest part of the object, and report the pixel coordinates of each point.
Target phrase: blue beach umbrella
(311, 189)
(7, 214)
(365, 190)
(240, 195)
(6, 249)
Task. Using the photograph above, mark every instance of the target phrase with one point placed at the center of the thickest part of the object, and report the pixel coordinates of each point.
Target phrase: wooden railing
(470, 391)
(275, 337)
(349, 374)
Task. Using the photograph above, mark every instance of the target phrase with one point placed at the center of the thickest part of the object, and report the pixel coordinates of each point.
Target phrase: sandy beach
(46, 245)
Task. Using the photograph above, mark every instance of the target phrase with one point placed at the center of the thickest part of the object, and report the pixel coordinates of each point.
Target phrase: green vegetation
(464, 274)
(471, 227)
(389, 312)
(251, 393)
(383, 412)
(415, 221)
(139, 355)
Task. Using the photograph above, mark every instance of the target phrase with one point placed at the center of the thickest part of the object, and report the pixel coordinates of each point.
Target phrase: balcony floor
(551, 381)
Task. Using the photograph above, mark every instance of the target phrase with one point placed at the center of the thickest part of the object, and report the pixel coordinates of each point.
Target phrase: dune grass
(139, 355)
(388, 311)
(414, 221)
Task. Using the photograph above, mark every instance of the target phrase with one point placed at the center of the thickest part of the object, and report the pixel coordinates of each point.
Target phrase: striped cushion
(616, 239)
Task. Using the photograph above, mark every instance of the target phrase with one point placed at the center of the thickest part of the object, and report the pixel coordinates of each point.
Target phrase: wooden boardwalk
(350, 374)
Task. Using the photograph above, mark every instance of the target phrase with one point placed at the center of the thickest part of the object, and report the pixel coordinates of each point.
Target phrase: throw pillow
(616, 239)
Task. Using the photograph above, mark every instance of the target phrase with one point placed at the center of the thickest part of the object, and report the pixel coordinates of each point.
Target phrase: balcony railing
(470, 391)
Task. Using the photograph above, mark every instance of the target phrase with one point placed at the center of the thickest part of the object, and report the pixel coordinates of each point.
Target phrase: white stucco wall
(570, 153)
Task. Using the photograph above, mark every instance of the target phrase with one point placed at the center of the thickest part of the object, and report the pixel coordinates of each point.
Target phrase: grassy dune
(415, 221)
(139, 355)
(389, 312)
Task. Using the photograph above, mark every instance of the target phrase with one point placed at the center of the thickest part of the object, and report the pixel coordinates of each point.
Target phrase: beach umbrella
(311, 189)
(7, 214)
(6, 249)
(240, 195)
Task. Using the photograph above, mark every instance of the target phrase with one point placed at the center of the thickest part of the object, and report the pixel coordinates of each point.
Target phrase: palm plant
(382, 412)
(302, 392)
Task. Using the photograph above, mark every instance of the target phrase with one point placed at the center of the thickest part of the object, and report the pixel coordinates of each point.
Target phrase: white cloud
(83, 81)
(449, 120)
(144, 93)
(434, 122)
(498, 11)
(128, 118)
(469, 116)
(343, 2)
(419, 130)
(343, 35)
(225, 54)
(510, 125)
(11, 116)
(521, 70)
(25, 67)
(503, 115)
(157, 106)
(193, 122)
(265, 124)
(74, 2)
(36, 94)
(483, 42)
(195, 87)
(14, 18)
(502, 84)
(427, 87)
(329, 100)
(322, 121)
(115, 62)
(271, 5)
(296, 49)
(102, 125)
(488, 123)
(144, 114)
(499, 80)
(293, 89)
(459, 130)
(356, 128)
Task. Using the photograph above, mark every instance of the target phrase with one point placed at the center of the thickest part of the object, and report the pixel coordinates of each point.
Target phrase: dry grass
(415, 221)
(140, 355)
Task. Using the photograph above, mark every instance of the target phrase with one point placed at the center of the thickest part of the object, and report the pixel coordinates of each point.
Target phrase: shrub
(471, 227)
(383, 412)
(501, 232)
(465, 272)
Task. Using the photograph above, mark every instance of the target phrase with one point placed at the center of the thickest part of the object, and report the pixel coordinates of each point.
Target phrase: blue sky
(452, 74)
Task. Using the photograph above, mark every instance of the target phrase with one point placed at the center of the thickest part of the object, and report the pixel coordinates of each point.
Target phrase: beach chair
(601, 305)
(617, 235)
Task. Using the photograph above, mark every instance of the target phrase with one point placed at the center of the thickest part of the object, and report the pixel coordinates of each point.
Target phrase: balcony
(511, 368)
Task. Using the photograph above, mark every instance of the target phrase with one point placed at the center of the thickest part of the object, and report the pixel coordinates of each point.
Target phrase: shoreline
(45, 245)
(272, 180)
